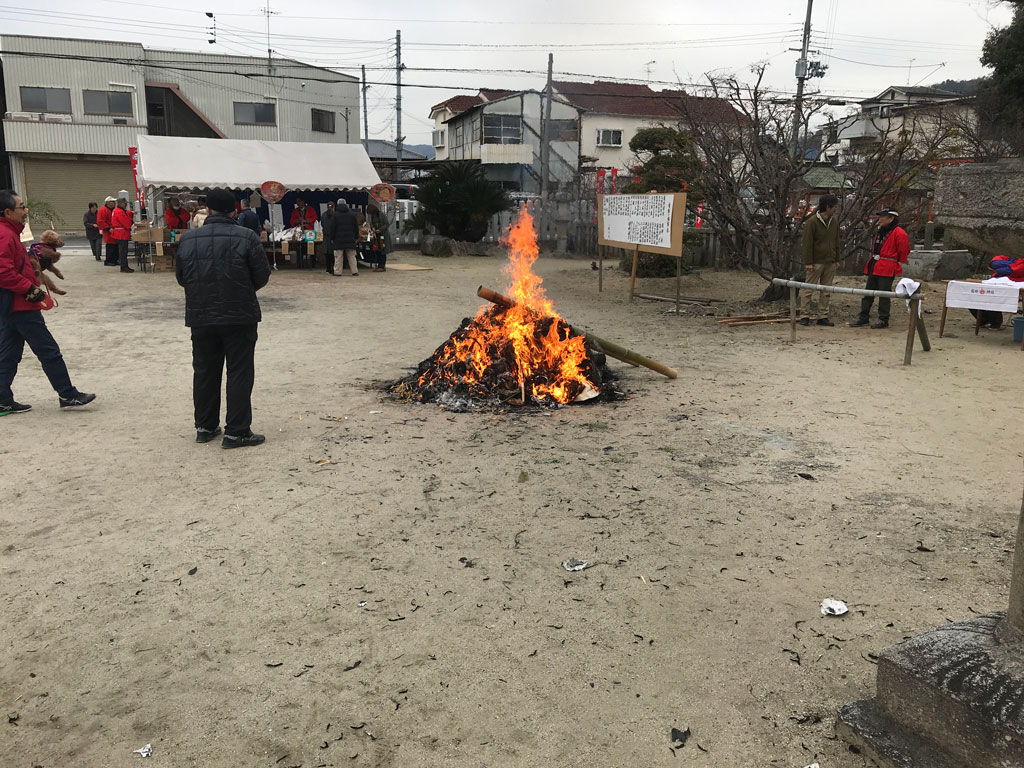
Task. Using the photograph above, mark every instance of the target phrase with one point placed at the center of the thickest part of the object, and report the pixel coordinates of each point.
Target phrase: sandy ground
(381, 583)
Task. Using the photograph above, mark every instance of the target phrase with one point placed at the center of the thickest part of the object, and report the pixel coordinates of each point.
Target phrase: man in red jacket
(302, 215)
(176, 217)
(103, 225)
(20, 317)
(889, 250)
(121, 231)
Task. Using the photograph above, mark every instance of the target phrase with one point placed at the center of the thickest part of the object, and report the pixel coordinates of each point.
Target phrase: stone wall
(981, 206)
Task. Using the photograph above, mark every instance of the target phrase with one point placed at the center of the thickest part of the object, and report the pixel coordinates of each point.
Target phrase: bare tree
(752, 178)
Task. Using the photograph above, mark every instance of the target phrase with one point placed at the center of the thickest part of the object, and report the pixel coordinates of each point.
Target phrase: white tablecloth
(996, 297)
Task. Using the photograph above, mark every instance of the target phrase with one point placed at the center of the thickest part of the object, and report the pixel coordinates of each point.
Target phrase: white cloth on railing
(907, 287)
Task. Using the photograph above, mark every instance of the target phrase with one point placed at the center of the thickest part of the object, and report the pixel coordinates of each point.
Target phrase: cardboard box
(263, 237)
(147, 234)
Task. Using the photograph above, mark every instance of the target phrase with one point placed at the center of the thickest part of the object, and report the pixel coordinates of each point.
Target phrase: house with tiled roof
(456, 105)
(504, 135)
(915, 111)
(614, 112)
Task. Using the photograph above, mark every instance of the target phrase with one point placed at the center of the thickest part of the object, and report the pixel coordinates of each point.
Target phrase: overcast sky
(867, 44)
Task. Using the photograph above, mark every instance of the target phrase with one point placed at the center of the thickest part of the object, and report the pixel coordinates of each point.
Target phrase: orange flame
(529, 341)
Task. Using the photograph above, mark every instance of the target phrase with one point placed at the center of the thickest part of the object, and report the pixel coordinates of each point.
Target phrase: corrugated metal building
(72, 108)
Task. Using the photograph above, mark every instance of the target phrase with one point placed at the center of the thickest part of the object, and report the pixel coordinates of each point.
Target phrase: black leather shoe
(206, 435)
(880, 324)
(804, 321)
(859, 322)
(127, 269)
(242, 442)
(825, 321)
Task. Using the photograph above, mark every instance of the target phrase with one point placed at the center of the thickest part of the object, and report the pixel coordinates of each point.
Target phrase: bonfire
(517, 351)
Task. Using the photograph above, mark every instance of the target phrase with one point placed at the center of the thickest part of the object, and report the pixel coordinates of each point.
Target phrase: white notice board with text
(652, 223)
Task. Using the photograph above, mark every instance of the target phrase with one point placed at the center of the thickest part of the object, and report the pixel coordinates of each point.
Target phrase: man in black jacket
(221, 266)
(344, 236)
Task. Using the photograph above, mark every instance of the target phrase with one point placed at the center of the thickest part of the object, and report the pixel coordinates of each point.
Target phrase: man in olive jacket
(221, 265)
(821, 259)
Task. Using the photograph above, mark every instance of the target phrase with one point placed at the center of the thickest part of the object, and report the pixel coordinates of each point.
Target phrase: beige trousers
(821, 274)
(340, 255)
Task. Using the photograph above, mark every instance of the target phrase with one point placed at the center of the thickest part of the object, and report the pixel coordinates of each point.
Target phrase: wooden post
(942, 322)
(792, 313)
(632, 277)
(911, 330)
(679, 280)
(600, 268)
(1015, 615)
(923, 333)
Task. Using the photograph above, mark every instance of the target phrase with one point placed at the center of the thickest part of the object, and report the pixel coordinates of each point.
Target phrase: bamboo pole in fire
(608, 347)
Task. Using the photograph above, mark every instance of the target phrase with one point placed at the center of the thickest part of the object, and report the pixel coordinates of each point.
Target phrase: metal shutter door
(69, 186)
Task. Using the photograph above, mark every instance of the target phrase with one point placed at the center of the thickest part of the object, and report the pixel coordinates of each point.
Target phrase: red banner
(133, 155)
(615, 181)
(600, 189)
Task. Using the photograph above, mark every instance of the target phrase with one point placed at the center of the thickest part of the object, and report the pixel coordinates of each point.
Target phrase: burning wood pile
(517, 351)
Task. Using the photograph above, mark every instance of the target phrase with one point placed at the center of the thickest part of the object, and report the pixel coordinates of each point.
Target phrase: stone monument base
(940, 265)
(948, 698)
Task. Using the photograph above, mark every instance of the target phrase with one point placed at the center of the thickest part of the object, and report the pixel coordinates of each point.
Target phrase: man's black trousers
(212, 346)
(876, 283)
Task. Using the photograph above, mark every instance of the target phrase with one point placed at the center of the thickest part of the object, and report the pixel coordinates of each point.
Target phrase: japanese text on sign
(639, 219)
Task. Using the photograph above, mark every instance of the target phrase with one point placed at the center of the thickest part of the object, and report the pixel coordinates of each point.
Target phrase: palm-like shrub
(458, 201)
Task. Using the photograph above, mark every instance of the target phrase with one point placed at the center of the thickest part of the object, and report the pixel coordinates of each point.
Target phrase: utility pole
(347, 135)
(545, 136)
(270, 61)
(398, 100)
(802, 73)
(366, 115)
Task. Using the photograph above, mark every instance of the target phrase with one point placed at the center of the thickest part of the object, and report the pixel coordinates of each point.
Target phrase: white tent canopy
(184, 162)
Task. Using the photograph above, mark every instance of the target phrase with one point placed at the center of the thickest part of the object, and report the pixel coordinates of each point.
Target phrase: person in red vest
(176, 217)
(121, 231)
(303, 215)
(889, 250)
(103, 225)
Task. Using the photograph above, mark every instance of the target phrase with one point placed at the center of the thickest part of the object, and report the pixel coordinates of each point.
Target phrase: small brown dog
(44, 255)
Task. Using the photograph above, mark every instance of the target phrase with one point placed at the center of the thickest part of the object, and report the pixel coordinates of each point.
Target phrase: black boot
(859, 322)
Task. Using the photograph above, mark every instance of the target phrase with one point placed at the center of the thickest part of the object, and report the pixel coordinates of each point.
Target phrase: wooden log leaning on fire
(609, 348)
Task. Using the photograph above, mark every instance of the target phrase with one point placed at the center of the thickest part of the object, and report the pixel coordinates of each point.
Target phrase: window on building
(439, 139)
(459, 135)
(609, 138)
(107, 102)
(45, 100)
(503, 129)
(475, 133)
(323, 121)
(564, 130)
(248, 113)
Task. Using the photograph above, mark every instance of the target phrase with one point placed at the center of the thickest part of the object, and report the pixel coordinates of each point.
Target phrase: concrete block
(953, 696)
(939, 265)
